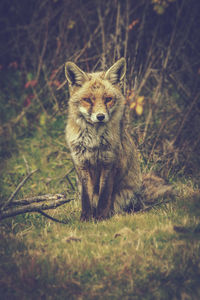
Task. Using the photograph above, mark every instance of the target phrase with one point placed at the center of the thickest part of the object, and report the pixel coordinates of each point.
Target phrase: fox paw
(85, 217)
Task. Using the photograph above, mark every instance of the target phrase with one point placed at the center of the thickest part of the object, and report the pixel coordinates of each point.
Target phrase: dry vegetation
(150, 255)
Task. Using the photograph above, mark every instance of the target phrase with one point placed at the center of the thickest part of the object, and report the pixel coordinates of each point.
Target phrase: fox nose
(100, 117)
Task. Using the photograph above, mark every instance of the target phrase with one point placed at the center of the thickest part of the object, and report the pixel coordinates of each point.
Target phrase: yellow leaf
(139, 110)
(33, 185)
(71, 24)
(140, 99)
(159, 9)
(42, 119)
(133, 104)
(25, 121)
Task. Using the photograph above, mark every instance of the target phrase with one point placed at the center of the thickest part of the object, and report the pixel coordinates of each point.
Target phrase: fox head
(96, 97)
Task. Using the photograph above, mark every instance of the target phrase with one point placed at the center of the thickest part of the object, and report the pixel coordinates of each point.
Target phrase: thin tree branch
(6, 203)
(34, 199)
(101, 22)
(52, 218)
(147, 208)
(196, 98)
(45, 202)
(126, 28)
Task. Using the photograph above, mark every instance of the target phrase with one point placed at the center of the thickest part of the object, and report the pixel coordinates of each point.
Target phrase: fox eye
(88, 100)
(108, 99)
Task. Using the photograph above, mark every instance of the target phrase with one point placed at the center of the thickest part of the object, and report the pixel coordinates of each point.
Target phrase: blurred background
(160, 40)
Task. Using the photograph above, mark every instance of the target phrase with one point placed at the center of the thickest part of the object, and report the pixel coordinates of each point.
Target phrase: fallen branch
(6, 203)
(33, 204)
(34, 199)
(11, 207)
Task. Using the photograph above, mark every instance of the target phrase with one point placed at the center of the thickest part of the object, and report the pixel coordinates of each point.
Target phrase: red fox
(103, 152)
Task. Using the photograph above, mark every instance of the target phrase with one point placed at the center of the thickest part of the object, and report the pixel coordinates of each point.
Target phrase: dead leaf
(73, 239)
(124, 232)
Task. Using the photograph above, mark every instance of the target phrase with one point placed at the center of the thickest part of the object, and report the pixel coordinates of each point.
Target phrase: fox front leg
(105, 205)
(86, 194)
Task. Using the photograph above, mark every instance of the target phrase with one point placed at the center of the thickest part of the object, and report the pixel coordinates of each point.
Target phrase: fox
(102, 150)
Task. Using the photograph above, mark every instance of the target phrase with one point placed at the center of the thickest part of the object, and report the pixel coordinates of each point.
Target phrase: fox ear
(117, 72)
(74, 74)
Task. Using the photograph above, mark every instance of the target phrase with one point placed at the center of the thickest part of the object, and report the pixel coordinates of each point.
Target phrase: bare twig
(6, 203)
(156, 140)
(52, 218)
(101, 21)
(87, 44)
(50, 88)
(117, 32)
(127, 29)
(186, 116)
(27, 165)
(81, 52)
(147, 208)
(71, 184)
(11, 123)
(42, 53)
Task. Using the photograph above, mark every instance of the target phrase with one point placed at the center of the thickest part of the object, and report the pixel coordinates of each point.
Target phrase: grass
(152, 255)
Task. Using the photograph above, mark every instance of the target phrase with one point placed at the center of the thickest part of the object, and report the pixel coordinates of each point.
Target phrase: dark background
(160, 41)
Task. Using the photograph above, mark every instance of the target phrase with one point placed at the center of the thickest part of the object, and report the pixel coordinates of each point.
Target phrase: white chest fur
(93, 145)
